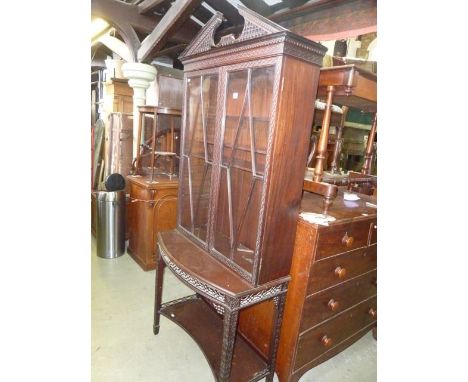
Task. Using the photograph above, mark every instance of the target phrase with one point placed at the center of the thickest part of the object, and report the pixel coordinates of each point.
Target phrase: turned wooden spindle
(366, 168)
(323, 140)
(170, 145)
(138, 153)
(153, 146)
(339, 141)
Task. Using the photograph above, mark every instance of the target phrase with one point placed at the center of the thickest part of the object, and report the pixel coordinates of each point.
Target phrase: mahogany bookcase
(245, 134)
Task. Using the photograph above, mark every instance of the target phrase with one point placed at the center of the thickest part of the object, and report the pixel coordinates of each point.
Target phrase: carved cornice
(255, 26)
(204, 41)
(281, 43)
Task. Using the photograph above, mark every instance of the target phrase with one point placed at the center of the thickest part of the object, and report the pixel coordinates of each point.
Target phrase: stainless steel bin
(110, 224)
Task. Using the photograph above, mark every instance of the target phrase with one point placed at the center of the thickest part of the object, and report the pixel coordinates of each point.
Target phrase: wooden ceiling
(154, 29)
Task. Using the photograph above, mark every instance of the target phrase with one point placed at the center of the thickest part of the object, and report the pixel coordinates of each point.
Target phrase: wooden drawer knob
(326, 341)
(333, 305)
(347, 240)
(372, 312)
(340, 272)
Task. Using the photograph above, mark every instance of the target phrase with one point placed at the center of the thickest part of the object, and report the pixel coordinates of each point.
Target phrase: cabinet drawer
(328, 335)
(335, 270)
(343, 238)
(330, 302)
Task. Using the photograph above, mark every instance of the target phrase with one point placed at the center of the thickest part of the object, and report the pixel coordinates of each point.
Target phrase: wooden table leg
(323, 139)
(274, 341)
(158, 290)
(366, 167)
(229, 337)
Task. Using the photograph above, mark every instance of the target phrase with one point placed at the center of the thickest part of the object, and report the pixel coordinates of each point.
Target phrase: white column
(139, 77)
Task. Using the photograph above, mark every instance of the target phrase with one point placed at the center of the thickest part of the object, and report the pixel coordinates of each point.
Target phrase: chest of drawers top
(344, 211)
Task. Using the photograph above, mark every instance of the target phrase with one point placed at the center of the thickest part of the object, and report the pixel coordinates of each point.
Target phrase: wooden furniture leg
(339, 142)
(229, 337)
(323, 140)
(366, 168)
(138, 153)
(274, 340)
(158, 290)
(153, 147)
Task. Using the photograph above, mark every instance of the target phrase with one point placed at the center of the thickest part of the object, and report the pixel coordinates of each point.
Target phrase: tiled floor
(124, 348)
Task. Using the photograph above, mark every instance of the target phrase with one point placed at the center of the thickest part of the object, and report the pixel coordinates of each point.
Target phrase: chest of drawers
(332, 297)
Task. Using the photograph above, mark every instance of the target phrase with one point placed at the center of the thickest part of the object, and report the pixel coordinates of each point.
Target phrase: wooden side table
(211, 315)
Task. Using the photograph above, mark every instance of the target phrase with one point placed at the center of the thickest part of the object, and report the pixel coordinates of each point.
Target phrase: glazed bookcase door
(246, 125)
(197, 154)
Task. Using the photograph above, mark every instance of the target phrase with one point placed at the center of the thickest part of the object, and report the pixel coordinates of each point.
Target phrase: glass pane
(237, 217)
(194, 131)
(145, 144)
(210, 94)
(167, 140)
(167, 134)
(262, 91)
(184, 197)
(247, 116)
(236, 126)
(197, 154)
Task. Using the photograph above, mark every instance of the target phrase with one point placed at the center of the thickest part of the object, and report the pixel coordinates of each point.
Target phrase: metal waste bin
(110, 223)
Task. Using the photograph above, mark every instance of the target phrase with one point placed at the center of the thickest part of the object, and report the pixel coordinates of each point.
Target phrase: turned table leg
(229, 337)
(158, 290)
(274, 340)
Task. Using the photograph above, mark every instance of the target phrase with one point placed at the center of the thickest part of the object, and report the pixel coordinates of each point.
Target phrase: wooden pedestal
(151, 209)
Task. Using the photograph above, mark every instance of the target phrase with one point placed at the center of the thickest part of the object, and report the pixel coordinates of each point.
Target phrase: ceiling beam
(147, 6)
(117, 10)
(258, 6)
(127, 20)
(323, 20)
(202, 14)
(113, 9)
(227, 9)
(172, 51)
(294, 3)
(311, 6)
(177, 14)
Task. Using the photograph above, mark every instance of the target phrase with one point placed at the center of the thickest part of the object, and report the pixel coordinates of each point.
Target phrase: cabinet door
(246, 131)
(197, 154)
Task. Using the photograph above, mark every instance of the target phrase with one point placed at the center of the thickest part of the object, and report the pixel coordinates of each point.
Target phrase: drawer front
(343, 238)
(330, 302)
(335, 270)
(328, 335)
